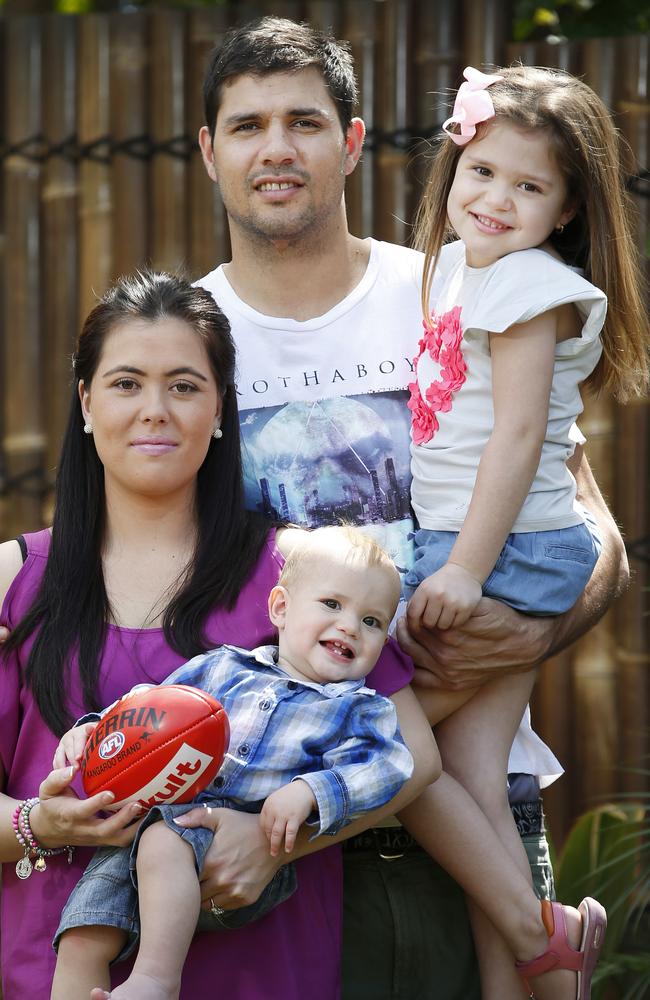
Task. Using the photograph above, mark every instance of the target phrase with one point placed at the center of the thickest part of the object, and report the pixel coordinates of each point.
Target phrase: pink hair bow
(473, 105)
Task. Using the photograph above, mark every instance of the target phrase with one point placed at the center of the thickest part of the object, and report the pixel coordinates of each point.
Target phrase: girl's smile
(508, 193)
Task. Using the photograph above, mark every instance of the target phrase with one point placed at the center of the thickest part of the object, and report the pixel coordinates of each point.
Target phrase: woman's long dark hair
(71, 609)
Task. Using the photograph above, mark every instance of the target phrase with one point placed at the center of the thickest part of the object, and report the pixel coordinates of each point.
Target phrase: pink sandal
(560, 954)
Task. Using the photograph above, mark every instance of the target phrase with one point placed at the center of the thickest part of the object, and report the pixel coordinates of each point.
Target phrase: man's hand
(445, 599)
(284, 812)
(496, 640)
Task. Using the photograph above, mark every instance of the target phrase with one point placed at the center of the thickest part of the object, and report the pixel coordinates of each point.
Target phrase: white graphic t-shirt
(324, 420)
(325, 428)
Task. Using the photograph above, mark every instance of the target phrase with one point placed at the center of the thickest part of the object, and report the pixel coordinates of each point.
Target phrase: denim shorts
(107, 895)
(537, 572)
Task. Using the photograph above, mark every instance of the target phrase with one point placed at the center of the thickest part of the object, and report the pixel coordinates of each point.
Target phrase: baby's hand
(71, 746)
(446, 599)
(284, 812)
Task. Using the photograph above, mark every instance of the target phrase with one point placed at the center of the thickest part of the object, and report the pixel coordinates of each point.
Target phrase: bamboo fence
(100, 173)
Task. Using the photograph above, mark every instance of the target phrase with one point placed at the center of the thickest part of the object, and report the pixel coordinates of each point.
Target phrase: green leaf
(600, 858)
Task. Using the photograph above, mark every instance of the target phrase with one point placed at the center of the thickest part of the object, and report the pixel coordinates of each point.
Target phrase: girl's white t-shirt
(454, 382)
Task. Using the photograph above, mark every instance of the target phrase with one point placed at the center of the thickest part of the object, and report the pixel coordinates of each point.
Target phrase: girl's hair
(590, 153)
(71, 608)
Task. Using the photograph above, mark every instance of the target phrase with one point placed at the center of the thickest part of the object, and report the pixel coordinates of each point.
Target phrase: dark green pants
(406, 934)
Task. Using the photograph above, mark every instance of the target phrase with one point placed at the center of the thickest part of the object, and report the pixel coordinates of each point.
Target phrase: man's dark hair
(277, 45)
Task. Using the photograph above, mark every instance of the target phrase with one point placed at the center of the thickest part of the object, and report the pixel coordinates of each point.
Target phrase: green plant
(607, 855)
(579, 18)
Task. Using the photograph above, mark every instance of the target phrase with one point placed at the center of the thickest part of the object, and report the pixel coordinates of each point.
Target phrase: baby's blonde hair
(341, 544)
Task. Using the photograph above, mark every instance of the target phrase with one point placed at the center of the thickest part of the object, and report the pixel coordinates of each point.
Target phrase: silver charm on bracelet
(24, 866)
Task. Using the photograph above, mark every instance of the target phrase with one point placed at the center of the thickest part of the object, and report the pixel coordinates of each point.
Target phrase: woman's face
(153, 404)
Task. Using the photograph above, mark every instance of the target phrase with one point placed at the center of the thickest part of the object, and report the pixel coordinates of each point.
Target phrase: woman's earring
(88, 428)
(217, 433)
(559, 229)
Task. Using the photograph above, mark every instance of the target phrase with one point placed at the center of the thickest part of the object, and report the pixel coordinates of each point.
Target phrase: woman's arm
(239, 864)
(11, 561)
(61, 819)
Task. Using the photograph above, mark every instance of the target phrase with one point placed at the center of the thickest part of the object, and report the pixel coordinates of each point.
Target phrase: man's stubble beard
(306, 231)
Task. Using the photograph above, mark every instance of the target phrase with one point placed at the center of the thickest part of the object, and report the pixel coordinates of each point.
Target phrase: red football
(156, 745)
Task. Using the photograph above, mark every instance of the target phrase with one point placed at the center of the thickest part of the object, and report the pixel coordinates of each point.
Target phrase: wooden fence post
(129, 102)
(168, 110)
(24, 439)
(209, 243)
(360, 29)
(59, 220)
(95, 195)
(394, 89)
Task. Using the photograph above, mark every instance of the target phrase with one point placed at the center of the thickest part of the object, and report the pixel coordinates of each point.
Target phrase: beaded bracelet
(29, 843)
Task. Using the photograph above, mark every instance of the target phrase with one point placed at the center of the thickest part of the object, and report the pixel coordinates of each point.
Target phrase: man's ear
(278, 602)
(207, 152)
(353, 144)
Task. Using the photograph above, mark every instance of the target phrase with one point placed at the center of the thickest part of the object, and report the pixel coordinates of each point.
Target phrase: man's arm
(498, 640)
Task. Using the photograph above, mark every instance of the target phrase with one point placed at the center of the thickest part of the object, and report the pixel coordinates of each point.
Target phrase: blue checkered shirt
(341, 738)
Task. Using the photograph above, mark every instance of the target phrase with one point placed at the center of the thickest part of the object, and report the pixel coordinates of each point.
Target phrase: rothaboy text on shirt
(318, 377)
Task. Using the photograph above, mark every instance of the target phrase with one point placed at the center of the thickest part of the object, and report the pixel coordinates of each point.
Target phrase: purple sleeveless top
(291, 954)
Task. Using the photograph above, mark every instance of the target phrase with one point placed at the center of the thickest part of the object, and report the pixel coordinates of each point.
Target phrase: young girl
(529, 177)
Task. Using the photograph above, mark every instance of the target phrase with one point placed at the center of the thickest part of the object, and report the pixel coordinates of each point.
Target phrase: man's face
(280, 156)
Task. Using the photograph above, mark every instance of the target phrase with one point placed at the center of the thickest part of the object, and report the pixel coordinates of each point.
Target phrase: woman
(151, 559)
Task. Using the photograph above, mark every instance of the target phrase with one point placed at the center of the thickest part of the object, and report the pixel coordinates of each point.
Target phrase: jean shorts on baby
(106, 893)
(537, 572)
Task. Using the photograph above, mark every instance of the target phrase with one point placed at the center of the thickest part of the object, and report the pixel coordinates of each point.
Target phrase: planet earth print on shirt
(334, 460)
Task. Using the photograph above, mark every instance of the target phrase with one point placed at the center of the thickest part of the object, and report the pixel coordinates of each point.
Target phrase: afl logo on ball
(111, 746)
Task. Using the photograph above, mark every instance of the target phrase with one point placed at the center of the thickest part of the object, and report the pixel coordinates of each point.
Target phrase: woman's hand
(238, 865)
(62, 819)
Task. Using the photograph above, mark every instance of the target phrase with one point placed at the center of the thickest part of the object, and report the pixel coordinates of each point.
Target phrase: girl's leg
(170, 900)
(480, 847)
(83, 959)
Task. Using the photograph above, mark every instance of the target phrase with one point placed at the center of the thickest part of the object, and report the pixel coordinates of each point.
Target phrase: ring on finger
(215, 910)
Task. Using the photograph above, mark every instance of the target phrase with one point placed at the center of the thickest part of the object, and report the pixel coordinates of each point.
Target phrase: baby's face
(336, 621)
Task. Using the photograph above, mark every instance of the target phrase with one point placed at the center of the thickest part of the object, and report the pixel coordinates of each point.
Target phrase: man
(325, 325)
